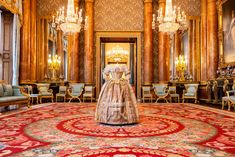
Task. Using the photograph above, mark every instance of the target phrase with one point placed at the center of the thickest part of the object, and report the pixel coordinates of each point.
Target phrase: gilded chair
(88, 93)
(190, 92)
(44, 92)
(62, 93)
(146, 93)
(231, 98)
(225, 99)
(160, 91)
(172, 93)
(75, 91)
(31, 95)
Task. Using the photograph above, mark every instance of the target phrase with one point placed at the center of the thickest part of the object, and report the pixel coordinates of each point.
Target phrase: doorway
(127, 41)
(6, 35)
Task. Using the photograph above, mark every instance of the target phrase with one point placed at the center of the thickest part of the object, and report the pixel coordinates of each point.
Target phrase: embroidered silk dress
(117, 103)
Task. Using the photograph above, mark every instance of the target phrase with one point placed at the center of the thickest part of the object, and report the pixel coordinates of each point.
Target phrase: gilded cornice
(89, 1)
(148, 1)
(10, 5)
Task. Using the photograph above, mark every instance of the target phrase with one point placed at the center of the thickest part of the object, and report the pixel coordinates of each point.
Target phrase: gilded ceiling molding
(10, 5)
(148, 1)
(89, 1)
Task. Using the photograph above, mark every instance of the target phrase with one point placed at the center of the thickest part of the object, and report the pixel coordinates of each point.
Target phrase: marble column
(33, 40)
(60, 52)
(177, 49)
(148, 43)
(203, 40)
(178, 42)
(73, 74)
(89, 42)
(25, 44)
(212, 39)
(189, 54)
(163, 51)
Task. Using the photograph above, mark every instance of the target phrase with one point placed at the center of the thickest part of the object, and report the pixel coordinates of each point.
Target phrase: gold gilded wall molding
(89, 1)
(148, 1)
(13, 6)
(220, 33)
(114, 15)
(10, 5)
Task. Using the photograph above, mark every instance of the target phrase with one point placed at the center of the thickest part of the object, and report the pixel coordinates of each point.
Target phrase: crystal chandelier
(70, 22)
(117, 54)
(172, 21)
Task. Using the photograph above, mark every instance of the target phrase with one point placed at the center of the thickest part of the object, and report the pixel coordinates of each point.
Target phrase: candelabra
(54, 65)
(180, 64)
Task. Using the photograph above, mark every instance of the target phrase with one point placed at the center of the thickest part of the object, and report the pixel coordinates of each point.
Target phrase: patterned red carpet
(172, 130)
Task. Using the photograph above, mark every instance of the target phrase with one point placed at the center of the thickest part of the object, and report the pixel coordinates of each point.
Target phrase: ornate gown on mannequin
(117, 103)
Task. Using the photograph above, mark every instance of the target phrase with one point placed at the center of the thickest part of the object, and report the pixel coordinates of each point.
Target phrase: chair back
(77, 87)
(160, 88)
(172, 90)
(191, 88)
(29, 89)
(62, 89)
(146, 90)
(43, 88)
(88, 89)
(233, 87)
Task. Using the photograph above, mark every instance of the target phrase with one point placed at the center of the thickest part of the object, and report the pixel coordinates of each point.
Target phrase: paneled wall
(6, 46)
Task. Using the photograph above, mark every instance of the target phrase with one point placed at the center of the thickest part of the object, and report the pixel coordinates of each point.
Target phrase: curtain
(16, 49)
(16, 44)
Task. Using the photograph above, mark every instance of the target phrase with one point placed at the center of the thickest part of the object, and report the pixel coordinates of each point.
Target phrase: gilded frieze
(15, 6)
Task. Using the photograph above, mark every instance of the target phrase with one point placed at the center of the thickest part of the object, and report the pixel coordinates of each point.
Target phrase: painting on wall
(228, 16)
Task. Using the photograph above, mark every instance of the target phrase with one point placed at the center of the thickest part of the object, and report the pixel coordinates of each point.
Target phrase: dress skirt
(117, 104)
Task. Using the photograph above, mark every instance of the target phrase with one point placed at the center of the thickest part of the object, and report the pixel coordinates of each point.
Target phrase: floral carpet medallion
(163, 130)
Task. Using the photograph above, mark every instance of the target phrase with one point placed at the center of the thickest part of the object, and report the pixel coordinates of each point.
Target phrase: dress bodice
(116, 75)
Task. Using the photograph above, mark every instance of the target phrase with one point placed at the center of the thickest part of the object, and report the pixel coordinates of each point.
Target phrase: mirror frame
(222, 63)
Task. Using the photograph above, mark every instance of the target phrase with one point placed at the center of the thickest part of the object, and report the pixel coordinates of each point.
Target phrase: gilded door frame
(118, 34)
(222, 63)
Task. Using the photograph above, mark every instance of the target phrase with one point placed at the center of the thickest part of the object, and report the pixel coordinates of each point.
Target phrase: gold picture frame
(226, 39)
